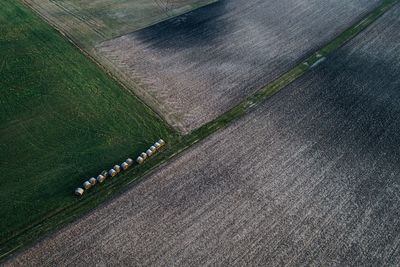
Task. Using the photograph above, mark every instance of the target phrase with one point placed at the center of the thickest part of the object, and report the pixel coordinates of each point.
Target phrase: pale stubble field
(196, 66)
(309, 177)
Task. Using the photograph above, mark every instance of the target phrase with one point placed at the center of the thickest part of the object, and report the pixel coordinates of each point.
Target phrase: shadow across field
(309, 178)
(361, 109)
(195, 24)
(195, 67)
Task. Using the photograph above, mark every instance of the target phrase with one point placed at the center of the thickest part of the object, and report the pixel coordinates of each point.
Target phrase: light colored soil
(309, 178)
(196, 66)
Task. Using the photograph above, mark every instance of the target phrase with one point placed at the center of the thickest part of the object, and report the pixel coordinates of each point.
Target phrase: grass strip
(105, 192)
(290, 76)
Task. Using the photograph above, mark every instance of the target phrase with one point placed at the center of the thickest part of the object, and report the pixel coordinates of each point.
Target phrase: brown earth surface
(196, 66)
(308, 178)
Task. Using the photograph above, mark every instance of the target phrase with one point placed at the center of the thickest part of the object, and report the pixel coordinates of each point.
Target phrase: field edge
(111, 191)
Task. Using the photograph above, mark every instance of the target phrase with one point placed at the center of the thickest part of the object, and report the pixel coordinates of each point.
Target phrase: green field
(62, 120)
(90, 22)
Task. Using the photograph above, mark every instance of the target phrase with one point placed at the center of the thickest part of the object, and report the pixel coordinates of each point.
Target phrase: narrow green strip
(100, 194)
(298, 71)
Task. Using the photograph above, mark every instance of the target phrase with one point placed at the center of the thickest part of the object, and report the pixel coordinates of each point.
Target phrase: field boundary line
(133, 86)
(293, 74)
(199, 6)
(110, 191)
(116, 77)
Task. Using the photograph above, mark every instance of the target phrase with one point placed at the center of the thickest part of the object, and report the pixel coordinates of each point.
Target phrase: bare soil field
(310, 177)
(195, 66)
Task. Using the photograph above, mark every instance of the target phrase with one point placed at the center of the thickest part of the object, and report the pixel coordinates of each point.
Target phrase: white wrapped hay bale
(129, 161)
(149, 153)
(124, 166)
(140, 160)
(112, 173)
(117, 168)
(104, 173)
(92, 181)
(101, 178)
(153, 148)
(157, 145)
(143, 155)
(79, 191)
(161, 142)
(87, 185)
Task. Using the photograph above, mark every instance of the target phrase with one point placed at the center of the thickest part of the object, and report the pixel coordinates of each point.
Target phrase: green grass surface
(62, 120)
